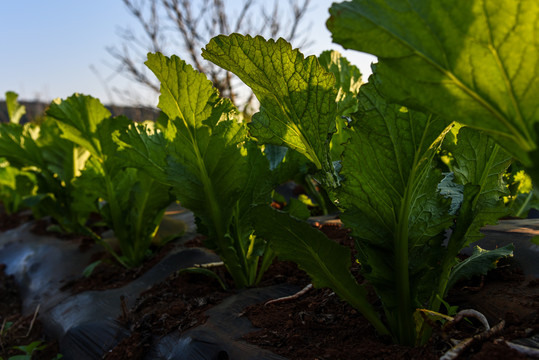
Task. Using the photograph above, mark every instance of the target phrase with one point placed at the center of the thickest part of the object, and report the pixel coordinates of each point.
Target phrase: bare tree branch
(184, 27)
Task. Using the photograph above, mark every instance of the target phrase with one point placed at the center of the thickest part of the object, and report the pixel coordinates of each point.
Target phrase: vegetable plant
(130, 202)
(28, 350)
(15, 186)
(463, 67)
(36, 151)
(202, 151)
(15, 110)
(389, 191)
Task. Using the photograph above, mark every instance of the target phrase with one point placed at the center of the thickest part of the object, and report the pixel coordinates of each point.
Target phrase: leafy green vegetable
(391, 194)
(348, 81)
(473, 61)
(204, 154)
(481, 163)
(391, 202)
(15, 110)
(479, 167)
(297, 96)
(134, 202)
(54, 162)
(15, 186)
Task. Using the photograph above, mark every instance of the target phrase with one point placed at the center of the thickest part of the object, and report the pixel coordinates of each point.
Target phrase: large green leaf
(62, 157)
(326, 262)
(473, 61)
(202, 140)
(79, 117)
(203, 153)
(297, 96)
(391, 202)
(84, 121)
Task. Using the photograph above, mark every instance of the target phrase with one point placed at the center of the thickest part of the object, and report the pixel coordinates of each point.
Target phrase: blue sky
(50, 47)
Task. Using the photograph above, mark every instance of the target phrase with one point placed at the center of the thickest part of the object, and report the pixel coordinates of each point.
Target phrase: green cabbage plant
(408, 218)
(39, 170)
(203, 152)
(130, 202)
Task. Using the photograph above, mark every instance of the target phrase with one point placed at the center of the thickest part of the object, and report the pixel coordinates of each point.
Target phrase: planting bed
(189, 316)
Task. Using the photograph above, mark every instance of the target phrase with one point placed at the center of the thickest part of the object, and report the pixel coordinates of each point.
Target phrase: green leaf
(390, 200)
(480, 162)
(452, 190)
(88, 270)
(139, 199)
(134, 202)
(347, 80)
(15, 110)
(298, 209)
(479, 263)
(15, 185)
(54, 161)
(473, 61)
(60, 156)
(78, 117)
(203, 143)
(31, 348)
(203, 153)
(326, 262)
(297, 96)
(18, 146)
(144, 148)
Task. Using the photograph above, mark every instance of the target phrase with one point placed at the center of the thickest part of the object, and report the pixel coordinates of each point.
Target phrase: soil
(317, 325)
(18, 330)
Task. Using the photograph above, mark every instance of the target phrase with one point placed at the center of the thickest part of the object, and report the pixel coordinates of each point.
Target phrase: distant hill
(35, 109)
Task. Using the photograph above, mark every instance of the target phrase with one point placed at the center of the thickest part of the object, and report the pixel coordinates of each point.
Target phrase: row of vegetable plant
(71, 171)
(373, 148)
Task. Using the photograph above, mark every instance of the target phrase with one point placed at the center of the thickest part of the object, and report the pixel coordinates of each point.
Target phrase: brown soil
(318, 325)
(18, 330)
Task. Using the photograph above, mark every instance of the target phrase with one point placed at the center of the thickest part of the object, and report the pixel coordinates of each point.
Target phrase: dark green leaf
(478, 263)
(297, 96)
(472, 61)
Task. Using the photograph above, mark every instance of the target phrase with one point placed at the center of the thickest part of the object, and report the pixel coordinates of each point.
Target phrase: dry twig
(179, 27)
(462, 345)
(291, 297)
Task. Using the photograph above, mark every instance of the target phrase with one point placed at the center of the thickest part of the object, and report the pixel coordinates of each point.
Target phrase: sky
(55, 48)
